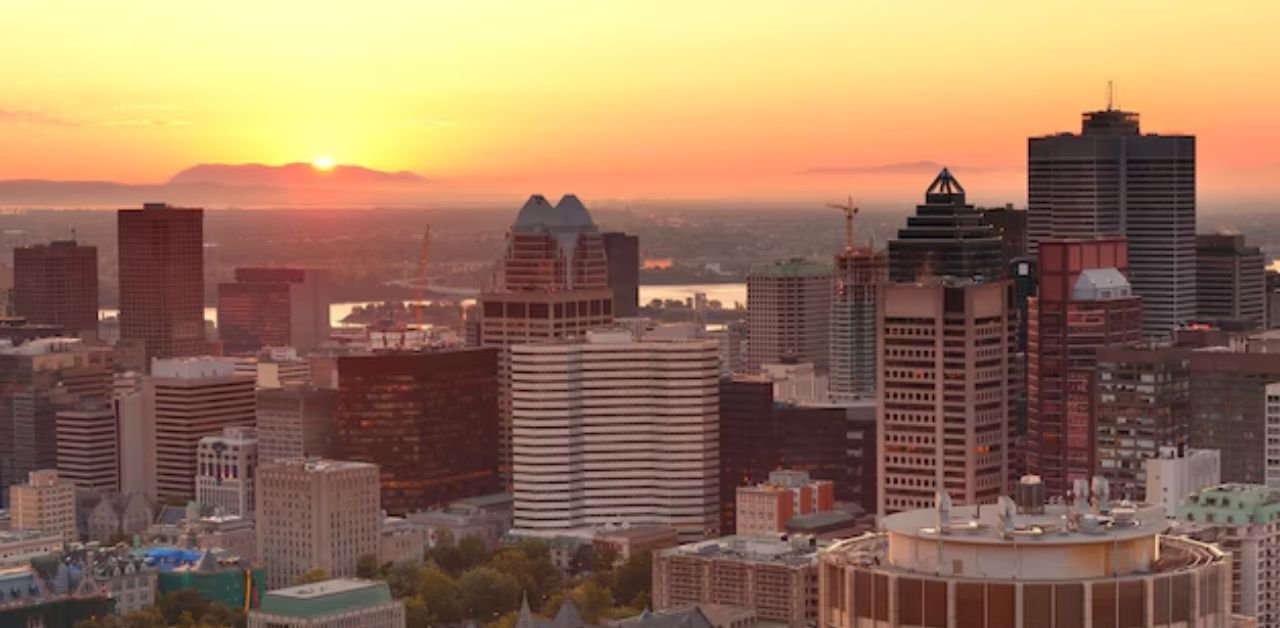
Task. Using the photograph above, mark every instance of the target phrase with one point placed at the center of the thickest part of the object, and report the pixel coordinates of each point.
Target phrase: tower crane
(850, 210)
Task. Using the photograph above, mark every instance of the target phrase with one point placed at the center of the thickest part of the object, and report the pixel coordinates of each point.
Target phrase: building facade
(1230, 280)
(226, 466)
(858, 275)
(623, 253)
(336, 603)
(1178, 473)
(946, 238)
(1243, 519)
(296, 422)
(89, 447)
(1143, 397)
(46, 503)
(273, 307)
(766, 508)
(788, 314)
(57, 284)
(161, 261)
(1228, 408)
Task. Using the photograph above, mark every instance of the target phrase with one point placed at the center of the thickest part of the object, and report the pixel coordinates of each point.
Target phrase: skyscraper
(162, 280)
(1085, 303)
(613, 428)
(946, 238)
(1230, 280)
(57, 284)
(1228, 409)
(788, 314)
(273, 307)
(623, 252)
(859, 273)
(1113, 180)
(1143, 404)
(946, 392)
(429, 420)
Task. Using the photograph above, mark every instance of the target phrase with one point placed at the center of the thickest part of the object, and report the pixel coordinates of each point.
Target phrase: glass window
(970, 605)
(1069, 605)
(1104, 605)
(1037, 606)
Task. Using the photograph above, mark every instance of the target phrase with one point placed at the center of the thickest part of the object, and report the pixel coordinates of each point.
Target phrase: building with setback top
(946, 238)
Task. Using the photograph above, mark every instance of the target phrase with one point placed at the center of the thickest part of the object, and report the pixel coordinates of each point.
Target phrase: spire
(525, 620)
(945, 189)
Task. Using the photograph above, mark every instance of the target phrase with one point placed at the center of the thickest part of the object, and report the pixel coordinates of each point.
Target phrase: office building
(88, 447)
(858, 274)
(946, 238)
(273, 307)
(1143, 405)
(748, 440)
(185, 400)
(788, 314)
(316, 514)
(1178, 473)
(766, 508)
(1243, 519)
(776, 579)
(1110, 179)
(1228, 408)
(623, 253)
(1031, 564)
(946, 417)
(57, 284)
(1230, 280)
(1011, 226)
(296, 422)
(1084, 303)
(428, 420)
(337, 603)
(46, 502)
(226, 465)
(615, 428)
(162, 281)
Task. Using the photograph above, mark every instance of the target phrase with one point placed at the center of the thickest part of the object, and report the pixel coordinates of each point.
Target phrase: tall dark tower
(946, 238)
(57, 284)
(623, 253)
(1113, 180)
(162, 280)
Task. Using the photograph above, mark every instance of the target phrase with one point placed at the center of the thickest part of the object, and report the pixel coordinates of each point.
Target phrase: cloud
(22, 116)
(906, 167)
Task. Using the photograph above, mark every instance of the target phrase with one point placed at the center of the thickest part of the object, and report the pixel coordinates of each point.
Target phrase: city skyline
(612, 102)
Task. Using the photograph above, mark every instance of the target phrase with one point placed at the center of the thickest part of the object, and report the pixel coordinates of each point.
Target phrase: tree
(487, 593)
(508, 620)
(149, 617)
(415, 613)
(439, 593)
(402, 577)
(473, 552)
(592, 601)
(367, 567)
(311, 576)
(604, 557)
(634, 577)
(530, 564)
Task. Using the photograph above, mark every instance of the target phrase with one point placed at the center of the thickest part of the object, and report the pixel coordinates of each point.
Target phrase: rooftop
(325, 598)
(794, 267)
(985, 525)
(538, 214)
(320, 465)
(1232, 504)
(797, 551)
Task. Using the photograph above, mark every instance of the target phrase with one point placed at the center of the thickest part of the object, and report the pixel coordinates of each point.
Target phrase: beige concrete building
(946, 416)
(316, 513)
(296, 422)
(225, 468)
(46, 503)
(88, 448)
(18, 547)
(788, 314)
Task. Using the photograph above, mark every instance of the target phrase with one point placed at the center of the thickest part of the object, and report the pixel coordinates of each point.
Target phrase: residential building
(766, 508)
(1243, 519)
(788, 314)
(1084, 303)
(273, 307)
(1143, 406)
(337, 603)
(185, 400)
(316, 514)
(428, 420)
(776, 579)
(57, 284)
(161, 261)
(946, 397)
(973, 567)
(46, 503)
(1178, 473)
(1110, 179)
(226, 465)
(296, 422)
(623, 254)
(852, 339)
(946, 238)
(88, 447)
(616, 428)
(1230, 279)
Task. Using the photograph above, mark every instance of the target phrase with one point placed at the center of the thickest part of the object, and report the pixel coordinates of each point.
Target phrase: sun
(323, 163)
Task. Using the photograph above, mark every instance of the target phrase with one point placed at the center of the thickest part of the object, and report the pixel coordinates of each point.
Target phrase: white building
(46, 503)
(796, 383)
(88, 448)
(788, 314)
(338, 603)
(616, 429)
(316, 514)
(225, 468)
(1178, 474)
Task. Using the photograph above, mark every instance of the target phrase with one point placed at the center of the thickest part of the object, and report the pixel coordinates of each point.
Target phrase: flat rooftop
(325, 598)
(981, 525)
(747, 549)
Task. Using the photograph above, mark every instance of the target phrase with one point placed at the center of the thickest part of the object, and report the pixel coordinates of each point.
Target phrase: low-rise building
(1243, 519)
(488, 517)
(339, 603)
(1178, 473)
(401, 541)
(115, 514)
(44, 503)
(765, 509)
(18, 547)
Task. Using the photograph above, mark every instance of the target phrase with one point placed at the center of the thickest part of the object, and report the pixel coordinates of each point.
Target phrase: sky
(661, 98)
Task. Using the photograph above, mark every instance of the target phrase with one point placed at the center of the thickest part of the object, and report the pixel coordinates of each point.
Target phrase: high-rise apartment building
(623, 253)
(57, 284)
(1143, 404)
(1112, 180)
(429, 420)
(296, 422)
(788, 314)
(226, 466)
(316, 514)
(46, 502)
(946, 238)
(1230, 280)
(614, 428)
(185, 400)
(88, 447)
(273, 307)
(947, 379)
(1243, 519)
(1084, 303)
(162, 281)
(858, 275)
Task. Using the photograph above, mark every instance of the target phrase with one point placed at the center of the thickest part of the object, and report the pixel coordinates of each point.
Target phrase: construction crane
(849, 212)
(423, 256)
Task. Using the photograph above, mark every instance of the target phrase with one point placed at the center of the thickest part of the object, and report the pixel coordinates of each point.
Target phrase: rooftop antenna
(1110, 95)
(849, 212)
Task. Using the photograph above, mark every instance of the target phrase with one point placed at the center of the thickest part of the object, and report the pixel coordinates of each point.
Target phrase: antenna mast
(1110, 95)
(849, 212)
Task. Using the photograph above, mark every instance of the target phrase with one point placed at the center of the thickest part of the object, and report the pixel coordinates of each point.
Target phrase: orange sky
(657, 98)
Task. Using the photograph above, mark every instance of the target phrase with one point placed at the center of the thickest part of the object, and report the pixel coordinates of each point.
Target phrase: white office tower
(186, 399)
(225, 468)
(617, 429)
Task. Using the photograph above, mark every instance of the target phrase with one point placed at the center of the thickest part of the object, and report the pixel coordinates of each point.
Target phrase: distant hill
(291, 175)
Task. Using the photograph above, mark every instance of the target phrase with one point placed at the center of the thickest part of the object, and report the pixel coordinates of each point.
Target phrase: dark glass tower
(946, 238)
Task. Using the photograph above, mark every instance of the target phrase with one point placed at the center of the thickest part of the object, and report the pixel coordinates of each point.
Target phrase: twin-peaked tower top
(554, 247)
